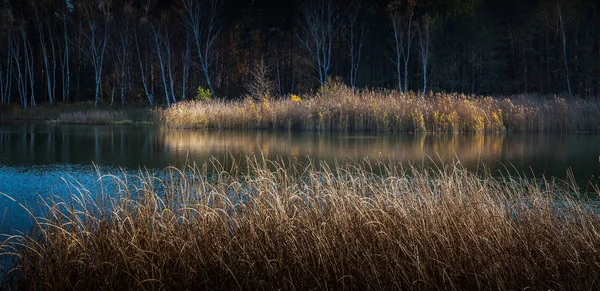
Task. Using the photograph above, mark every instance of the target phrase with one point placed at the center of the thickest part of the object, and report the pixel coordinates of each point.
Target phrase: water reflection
(330, 146)
(35, 144)
(534, 154)
(34, 157)
(132, 147)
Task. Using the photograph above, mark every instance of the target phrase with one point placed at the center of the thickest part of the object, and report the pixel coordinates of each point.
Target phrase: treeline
(161, 52)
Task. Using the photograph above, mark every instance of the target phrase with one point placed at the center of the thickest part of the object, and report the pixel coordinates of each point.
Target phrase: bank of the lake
(283, 226)
(344, 109)
(82, 113)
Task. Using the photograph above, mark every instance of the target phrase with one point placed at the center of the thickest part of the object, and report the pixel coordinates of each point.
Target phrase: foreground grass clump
(390, 111)
(291, 227)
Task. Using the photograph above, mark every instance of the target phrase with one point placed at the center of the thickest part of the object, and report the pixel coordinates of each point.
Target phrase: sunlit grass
(390, 111)
(278, 225)
(340, 108)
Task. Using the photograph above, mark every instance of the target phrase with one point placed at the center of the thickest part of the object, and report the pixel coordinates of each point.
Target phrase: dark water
(37, 160)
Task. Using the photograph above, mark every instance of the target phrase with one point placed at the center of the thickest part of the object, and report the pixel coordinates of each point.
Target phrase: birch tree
(161, 39)
(15, 55)
(201, 19)
(64, 47)
(424, 37)
(121, 31)
(561, 23)
(20, 49)
(318, 26)
(185, 67)
(401, 16)
(6, 73)
(2, 85)
(147, 91)
(96, 33)
(46, 37)
(356, 38)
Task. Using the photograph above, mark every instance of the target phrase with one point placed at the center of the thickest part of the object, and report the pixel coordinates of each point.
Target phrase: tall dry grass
(131, 115)
(389, 111)
(81, 113)
(278, 226)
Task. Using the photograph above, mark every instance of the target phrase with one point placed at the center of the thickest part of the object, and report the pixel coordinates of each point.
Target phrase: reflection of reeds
(468, 148)
(390, 111)
(291, 227)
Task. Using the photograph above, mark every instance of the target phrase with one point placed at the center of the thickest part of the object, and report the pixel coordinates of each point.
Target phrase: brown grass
(281, 226)
(81, 113)
(123, 116)
(389, 111)
(339, 108)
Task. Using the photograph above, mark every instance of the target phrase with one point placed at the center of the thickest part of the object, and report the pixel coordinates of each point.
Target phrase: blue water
(39, 161)
(30, 186)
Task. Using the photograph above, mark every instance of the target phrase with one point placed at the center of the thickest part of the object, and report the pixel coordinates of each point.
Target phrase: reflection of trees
(133, 146)
(48, 144)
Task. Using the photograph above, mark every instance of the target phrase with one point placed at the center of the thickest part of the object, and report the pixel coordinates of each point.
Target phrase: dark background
(477, 47)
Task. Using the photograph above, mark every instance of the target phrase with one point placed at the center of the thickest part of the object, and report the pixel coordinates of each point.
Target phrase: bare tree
(261, 86)
(162, 40)
(185, 67)
(46, 36)
(149, 95)
(564, 43)
(64, 56)
(2, 84)
(424, 37)
(404, 30)
(277, 70)
(121, 48)
(167, 43)
(159, 41)
(15, 55)
(201, 19)
(356, 38)
(20, 49)
(96, 33)
(6, 78)
(319, 25)
(5, 70)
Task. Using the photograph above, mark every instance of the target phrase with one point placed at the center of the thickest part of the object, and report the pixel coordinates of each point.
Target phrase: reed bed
(81, 113)
(344, 109)
(92, 117)
(108, 116)
(272, 225)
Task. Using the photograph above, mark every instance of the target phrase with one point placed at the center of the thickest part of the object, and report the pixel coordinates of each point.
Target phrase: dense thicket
(161, 52)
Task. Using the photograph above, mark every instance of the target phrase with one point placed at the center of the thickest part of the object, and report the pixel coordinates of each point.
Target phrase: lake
(38, 159)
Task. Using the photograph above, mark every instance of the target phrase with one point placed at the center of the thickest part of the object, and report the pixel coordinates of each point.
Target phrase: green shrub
(203, 94)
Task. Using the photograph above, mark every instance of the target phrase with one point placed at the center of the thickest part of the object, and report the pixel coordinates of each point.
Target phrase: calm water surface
(37, 160)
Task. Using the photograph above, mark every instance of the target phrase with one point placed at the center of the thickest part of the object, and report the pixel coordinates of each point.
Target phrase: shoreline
(365, 111)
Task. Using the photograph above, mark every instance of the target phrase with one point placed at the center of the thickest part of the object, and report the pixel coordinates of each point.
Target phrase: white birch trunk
(564, 44)
(142, 71)
(158, 44)
(201, 20)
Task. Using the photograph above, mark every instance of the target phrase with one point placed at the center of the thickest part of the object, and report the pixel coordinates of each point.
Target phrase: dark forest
(161, 52)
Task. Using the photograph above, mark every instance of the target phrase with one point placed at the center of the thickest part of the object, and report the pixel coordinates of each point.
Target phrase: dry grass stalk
(390, 111)
(278, 226)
